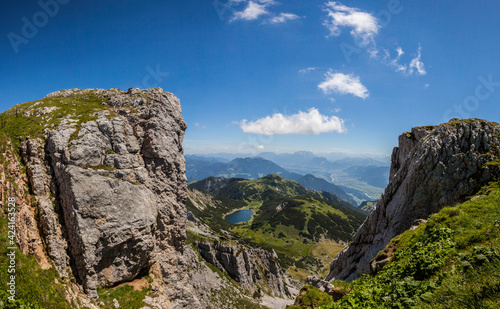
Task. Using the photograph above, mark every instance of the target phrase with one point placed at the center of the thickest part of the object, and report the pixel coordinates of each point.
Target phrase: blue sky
(267, 75)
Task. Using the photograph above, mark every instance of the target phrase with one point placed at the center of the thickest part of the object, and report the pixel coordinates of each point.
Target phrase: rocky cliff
(247, 266)
(107, 176)
(252, 271)
(432, 167)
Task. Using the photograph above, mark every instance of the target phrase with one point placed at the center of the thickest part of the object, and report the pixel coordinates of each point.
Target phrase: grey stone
(245, 265)
(433, 167)
(120, 191)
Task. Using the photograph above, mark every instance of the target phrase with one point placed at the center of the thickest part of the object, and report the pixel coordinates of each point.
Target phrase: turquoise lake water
(240, 216)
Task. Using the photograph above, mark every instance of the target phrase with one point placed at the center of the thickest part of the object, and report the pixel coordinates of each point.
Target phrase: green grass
(80, 109)
(452, 261)
(310, 298)
(34, 285)
(305, 221)
(367, 206)
(467, 121)
(126, 295)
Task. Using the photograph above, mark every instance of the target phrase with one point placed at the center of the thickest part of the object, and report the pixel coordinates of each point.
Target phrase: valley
(352, 179)
(300, 225)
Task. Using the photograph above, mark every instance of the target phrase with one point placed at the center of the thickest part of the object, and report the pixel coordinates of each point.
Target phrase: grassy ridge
(294, 221)
(29, 122)
(452, 261)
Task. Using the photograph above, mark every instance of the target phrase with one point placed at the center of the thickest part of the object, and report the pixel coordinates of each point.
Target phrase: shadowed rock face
(433, 167)
(120, 189)
(245, 265)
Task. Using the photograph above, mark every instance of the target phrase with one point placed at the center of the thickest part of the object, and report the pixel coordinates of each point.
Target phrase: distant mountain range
(249, 168)
(233, 188)
(253, 168)
(351, 179)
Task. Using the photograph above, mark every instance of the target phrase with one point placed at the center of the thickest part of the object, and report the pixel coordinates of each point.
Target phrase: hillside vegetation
(451, 261)
(34, 119)
(305, 227)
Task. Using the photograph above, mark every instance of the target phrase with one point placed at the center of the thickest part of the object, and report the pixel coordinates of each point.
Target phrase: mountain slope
(248, 168)
(450, 261)
(254, 168)
(319, 184)
(377, 176)
(265, 188)
(433, 167)
(288, 218)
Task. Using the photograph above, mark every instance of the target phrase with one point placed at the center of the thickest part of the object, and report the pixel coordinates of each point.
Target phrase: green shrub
(453, 261)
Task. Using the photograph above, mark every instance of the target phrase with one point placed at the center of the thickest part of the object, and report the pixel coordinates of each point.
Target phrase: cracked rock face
(245, 265)
(119, 186)
(433, 167)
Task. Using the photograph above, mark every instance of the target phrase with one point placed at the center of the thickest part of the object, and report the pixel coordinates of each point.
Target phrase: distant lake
(240, 216)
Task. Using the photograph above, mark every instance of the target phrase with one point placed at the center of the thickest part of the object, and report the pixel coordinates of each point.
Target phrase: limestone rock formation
(245, 265)
(433, 167)
(111, 191)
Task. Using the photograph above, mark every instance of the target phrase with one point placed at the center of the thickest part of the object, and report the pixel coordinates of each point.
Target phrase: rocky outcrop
(111, 191)
(38, 170)
(247, 266)
(433, 167)
(335, 292)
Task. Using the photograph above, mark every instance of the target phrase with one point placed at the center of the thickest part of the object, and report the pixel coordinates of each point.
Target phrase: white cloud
(307, 70)
(283, 17)
(415, 66)
(343, 84)
(197, 125)
(400, 52)
(426, 86)
(258, 8)
(312, 122)
(364, 25)
(252, 11)
(260, 146)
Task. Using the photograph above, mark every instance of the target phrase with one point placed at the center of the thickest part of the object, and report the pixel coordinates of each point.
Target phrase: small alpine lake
(240, 216)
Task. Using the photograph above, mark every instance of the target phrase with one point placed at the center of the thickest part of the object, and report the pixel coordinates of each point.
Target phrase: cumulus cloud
(252, 11)
(415, 66)
(343, 84)
(283, 17)
(364, 26)
(310, 122)
(255, 9)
